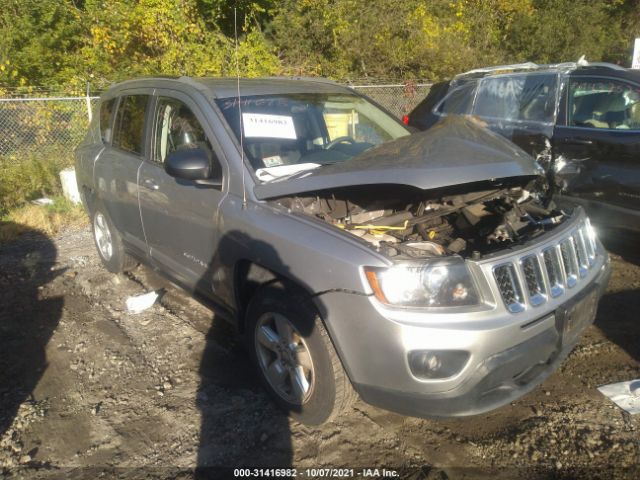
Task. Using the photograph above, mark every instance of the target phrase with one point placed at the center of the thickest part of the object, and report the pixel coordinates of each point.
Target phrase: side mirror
(188, 164)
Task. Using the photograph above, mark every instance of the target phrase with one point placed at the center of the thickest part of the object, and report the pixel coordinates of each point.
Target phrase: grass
(48, 219)
(24, 177)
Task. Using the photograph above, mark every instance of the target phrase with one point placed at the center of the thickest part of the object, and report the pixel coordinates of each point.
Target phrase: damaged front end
(429, 234)
(466, 220)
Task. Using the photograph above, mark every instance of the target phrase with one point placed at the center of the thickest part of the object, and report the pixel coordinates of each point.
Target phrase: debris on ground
(140, 303)
(624, 394)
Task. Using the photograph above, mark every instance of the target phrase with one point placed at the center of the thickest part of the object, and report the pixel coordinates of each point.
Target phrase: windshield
(291, 133)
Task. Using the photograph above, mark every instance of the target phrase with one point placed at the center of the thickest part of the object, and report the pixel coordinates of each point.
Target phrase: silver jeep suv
(429, 273)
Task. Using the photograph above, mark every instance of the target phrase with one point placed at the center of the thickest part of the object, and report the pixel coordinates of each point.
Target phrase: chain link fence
(33, 126)
(398, 99)
(39, 126)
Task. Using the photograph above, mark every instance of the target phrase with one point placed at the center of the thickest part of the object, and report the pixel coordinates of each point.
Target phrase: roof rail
(516, 66)
(582, 63)
(612, 66)
(303, 78)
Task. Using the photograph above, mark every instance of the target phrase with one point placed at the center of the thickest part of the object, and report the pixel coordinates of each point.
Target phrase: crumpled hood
(453, 152)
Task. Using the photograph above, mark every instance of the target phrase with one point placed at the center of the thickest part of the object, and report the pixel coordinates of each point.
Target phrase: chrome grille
(534, 277)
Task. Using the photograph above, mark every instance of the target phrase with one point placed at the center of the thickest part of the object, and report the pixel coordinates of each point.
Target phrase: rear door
(116, 170)
(600, 139)
(180, 217)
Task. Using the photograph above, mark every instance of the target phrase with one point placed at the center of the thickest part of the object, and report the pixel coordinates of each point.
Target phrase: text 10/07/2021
(315, 473)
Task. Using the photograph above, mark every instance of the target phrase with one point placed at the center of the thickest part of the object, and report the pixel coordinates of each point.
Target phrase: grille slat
(581, 253)
(554, 270)
(590, 242)
(533, 280)
(548, 272)
(569, 262)
(509, 287)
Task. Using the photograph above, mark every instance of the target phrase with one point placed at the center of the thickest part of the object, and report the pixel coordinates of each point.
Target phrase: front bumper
(509, 354)
(497, 380)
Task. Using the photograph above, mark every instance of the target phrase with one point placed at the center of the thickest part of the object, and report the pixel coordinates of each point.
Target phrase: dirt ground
(88, 390)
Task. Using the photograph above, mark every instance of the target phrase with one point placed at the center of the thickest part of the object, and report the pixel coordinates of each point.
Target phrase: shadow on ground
(261, 436)
(624, 243)
(620, 324)
(26, 321)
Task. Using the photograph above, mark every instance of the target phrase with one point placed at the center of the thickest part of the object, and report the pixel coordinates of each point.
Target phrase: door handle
(150, 184)
(579, 141)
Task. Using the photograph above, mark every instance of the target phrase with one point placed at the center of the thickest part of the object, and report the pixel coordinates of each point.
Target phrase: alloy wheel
(284, 358)
(102, 236)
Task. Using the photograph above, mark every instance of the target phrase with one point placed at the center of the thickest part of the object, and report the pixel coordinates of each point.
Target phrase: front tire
(109, 243)
(294, 356)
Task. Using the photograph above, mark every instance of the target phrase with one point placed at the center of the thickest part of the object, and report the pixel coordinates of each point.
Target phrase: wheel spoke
(285, 331)
(268, 338)
(277, 374)
(299, 383)
(302, 356)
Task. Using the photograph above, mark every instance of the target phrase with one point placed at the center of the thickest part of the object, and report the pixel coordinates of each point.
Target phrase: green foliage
(36, 38)
(66, 42)
(240, 15)
(437, 39)
(565, 30)
(48, 219)
(71, 42)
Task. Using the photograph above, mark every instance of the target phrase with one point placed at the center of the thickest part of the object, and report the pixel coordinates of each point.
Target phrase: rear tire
(109, 243)
(294, 356)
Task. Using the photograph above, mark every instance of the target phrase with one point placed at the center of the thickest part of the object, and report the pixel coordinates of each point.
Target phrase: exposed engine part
(374, 239)
(421, 249)
(458, 245)
(417, 224)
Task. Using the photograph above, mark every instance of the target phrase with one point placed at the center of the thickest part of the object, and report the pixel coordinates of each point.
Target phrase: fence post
(89, 112)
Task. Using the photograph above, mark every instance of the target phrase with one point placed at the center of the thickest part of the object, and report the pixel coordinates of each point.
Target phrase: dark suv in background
(583, 119)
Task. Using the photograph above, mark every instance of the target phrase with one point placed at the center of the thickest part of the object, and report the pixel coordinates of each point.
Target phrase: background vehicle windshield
(302, 129)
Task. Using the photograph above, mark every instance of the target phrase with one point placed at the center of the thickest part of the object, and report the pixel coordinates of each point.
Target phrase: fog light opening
(437, 364)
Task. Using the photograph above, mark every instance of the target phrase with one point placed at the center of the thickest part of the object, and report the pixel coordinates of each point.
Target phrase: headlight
(434, 284)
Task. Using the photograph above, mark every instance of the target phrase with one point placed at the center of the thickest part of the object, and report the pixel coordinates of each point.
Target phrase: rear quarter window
(128, 130)
(106, 112)
(458, 101)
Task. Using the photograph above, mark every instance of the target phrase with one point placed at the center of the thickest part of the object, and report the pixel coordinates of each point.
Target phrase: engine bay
(469, 220)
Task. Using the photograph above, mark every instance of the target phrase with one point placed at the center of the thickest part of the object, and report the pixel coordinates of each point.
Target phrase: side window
(106, 110)
(530, 98)
(603, 103)
(177, 128)
(458, 101)
(128, 131)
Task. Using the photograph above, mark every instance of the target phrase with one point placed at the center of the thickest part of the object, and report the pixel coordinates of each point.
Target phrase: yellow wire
(374, 229)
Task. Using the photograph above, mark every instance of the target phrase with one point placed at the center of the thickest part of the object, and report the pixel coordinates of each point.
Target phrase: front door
(179, 217)
(600, 142)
